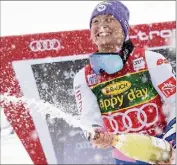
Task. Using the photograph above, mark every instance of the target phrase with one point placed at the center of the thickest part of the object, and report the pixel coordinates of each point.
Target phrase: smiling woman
(122, 87)
(107, 38)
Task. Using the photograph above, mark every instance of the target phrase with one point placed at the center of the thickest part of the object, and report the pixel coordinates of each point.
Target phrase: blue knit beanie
(115, 8)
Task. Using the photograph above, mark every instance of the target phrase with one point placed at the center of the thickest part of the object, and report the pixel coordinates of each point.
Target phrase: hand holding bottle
(102, 140)
(137, 146)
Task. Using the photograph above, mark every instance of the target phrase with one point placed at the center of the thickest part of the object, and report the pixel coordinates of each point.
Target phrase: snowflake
(13, 46)
(150, 110)
(70, 92)
(32, 152)
(144, 97)
(136, 55)
(62, 139)
(144, 79)
(167, 40)
(18, 120)
(98, 157)
(128, 75)
(44, 85)
(51, 121)
(74, 133)
(158, 130)
(34, 135)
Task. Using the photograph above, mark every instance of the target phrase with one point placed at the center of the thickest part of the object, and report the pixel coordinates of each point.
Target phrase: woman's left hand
(171, 161)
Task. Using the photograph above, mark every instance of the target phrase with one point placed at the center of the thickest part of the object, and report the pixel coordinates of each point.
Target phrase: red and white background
(42, 67)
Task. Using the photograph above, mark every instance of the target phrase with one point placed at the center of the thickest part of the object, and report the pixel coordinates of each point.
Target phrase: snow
(29, 17)
(12, 150)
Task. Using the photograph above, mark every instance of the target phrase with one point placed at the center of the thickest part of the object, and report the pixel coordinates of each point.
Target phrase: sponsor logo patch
(168, 88)
(92, 79)
(162, 61)
(117, 88)
(102, 6)
(138, 64)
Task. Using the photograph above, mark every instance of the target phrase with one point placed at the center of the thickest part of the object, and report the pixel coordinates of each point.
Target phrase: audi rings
(129, 124)
(43, 45)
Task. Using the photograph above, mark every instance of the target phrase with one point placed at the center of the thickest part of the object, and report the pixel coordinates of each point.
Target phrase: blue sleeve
(170, 132)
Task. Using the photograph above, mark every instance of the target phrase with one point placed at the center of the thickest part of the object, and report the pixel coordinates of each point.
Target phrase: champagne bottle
(142, 147)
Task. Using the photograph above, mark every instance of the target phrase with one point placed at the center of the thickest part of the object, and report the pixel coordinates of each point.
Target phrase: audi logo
(43, 45)
(128, 126)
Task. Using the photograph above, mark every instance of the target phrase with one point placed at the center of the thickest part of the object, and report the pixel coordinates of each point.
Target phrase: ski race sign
(36, 74)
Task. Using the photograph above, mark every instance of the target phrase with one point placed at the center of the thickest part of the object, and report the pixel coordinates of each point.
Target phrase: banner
(42, 67)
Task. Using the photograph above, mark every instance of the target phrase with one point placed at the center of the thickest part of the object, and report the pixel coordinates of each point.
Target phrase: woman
(122, 88)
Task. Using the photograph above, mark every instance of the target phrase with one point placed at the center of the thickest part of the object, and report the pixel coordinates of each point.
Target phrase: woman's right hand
(102, 140)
